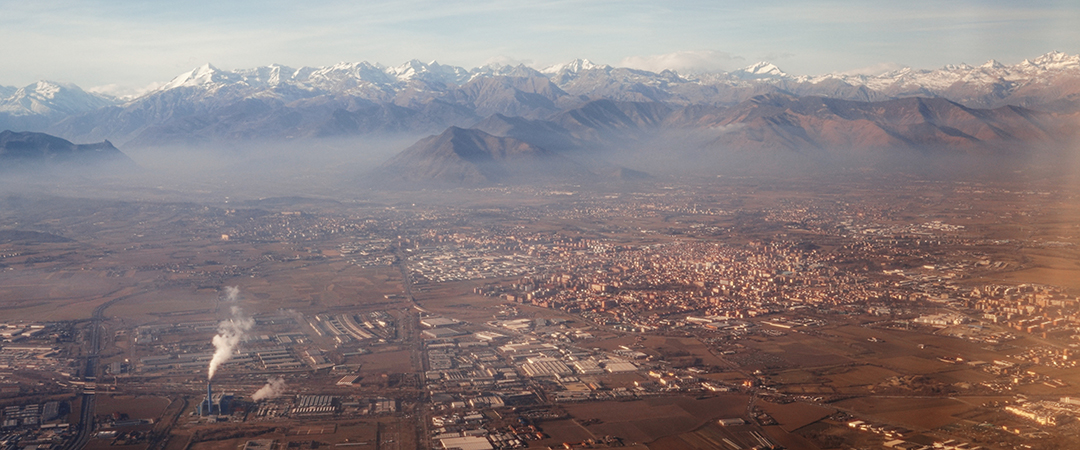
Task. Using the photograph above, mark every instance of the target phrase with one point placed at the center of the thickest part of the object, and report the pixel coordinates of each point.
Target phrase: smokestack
(209, 399)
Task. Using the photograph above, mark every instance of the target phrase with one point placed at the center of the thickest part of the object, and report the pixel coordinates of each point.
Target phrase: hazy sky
(133, 44)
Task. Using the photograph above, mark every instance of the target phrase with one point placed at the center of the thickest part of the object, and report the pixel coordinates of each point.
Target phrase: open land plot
(622, 380)
(795, 415)
(331, 286)
(794, 377)
(918, 413)
(962, 374)
(682, 350)
(326, 285)
(709, 436)
(902, 347)
(457, 301)
(565, 430)
(396, 361)
(856, 376)
(364, 434)
(727, 376)
(1042, 390)
(54, 293)
(800, 350)
(615, 341)
(713, 436)
(911, 364)
(812, 354)
(647, 420)
(789, 440)
(172, 305)
(678, 350)
(1057, 270)
(101, 444)
(134, 407)
(826, 434)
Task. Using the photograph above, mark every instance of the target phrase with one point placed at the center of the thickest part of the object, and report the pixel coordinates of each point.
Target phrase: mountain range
(568, 109)
(275, 102)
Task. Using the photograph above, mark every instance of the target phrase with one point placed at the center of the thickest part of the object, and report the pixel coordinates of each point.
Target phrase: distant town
(712, 315)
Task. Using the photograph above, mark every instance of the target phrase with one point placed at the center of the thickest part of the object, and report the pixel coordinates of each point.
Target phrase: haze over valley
(838, 225)
(583, 121)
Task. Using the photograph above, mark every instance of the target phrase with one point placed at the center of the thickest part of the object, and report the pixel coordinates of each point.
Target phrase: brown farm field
(713, 436)
(644, 421)
(360, 434)
(134, 407)
(917, 413)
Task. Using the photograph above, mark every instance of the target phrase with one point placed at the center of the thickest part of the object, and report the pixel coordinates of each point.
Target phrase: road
(86, 418)
(416, 340)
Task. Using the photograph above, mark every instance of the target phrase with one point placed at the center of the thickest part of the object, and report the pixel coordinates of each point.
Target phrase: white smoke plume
(230, 333)
(273, 389)
(232, 293)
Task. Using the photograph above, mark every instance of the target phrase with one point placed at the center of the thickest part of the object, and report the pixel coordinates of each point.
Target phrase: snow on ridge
(266, 77)
(347, 75)
(363, 78)
(433, 71)
(575, 66)
(203, 75)
(763, 68)
(52, 98)
(937, 81)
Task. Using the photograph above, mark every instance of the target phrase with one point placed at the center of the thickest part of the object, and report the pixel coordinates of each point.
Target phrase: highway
(417, 341)
(86, 417)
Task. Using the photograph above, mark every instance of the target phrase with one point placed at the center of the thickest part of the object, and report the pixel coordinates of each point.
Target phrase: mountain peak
(1056, 60)
(955, 67)
(575, 66)
(468, 156)
(48, 89)
(409, 69)
(51, 98)
(415, 69)
(203, 75)
(763, 69)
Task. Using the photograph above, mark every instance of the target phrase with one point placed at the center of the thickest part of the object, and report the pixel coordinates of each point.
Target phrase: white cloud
(687, 61)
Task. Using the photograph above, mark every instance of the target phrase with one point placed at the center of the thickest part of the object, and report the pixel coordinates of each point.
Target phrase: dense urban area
(728, 313)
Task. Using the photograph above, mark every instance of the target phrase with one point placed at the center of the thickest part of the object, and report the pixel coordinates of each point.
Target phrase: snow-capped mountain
(987, 85)
(41, 104)
(203, 76)
(759, 71)
(433, 73)
(574, 66)
(1042, 81)
(278, 102)
(48, 98)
